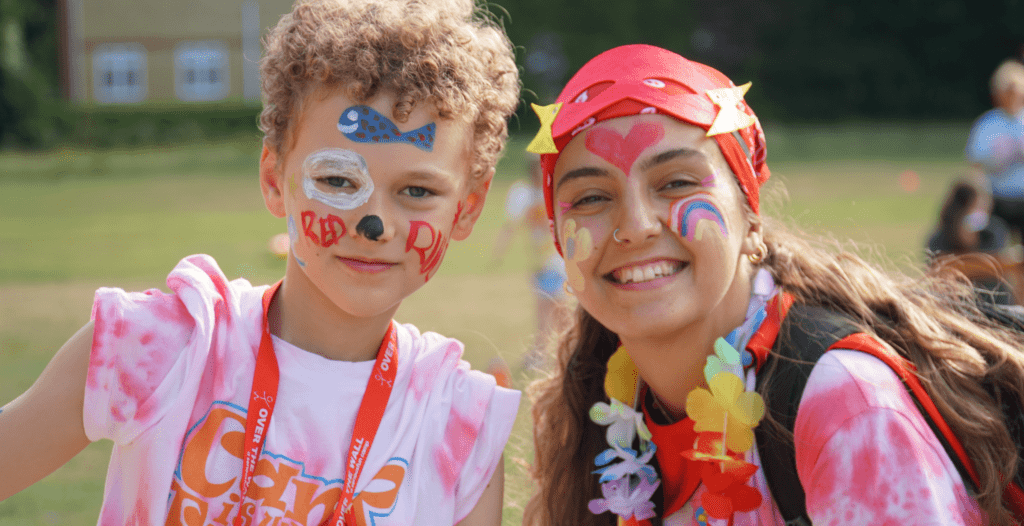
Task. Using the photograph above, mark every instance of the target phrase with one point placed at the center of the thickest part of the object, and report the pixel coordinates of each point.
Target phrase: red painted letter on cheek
(622, 152)
(329, 233)
(308, 218)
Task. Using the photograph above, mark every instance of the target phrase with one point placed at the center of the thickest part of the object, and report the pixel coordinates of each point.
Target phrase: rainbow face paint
(331, 228)
(691, 216)
(365, 124)
(564, 207)
(623, 151)
(336, 164)
(709, 181)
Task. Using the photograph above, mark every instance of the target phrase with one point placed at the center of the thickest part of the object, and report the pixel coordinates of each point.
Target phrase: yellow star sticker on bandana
(544, 142)
(730, 116)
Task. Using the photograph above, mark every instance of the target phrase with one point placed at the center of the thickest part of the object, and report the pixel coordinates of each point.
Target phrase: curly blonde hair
(446, 53)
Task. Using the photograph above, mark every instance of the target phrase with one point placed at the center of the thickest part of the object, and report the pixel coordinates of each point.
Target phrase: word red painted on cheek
(329, 228)
(623, 151)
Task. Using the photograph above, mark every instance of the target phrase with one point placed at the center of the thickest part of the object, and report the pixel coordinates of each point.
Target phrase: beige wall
(159, 26)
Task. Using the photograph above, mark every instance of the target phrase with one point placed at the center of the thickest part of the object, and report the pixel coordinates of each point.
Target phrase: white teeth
(646, 272)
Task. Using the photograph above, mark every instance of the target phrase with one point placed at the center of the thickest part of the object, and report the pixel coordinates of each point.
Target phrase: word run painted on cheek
(623, 151)
(329, 233)
(691, 216)
(365, 124)
(286, 493)
(337, 165)
(431, 251)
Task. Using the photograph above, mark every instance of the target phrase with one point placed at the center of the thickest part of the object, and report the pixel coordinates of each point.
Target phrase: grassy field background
(73, 220)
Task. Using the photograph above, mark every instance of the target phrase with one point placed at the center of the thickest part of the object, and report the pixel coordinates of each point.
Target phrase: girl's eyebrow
(665, 157)
(588, 171)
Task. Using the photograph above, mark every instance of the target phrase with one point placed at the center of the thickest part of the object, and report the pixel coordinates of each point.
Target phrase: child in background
(524, 209)
(304, 401)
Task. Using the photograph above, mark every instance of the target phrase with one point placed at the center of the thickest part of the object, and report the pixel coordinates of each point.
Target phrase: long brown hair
(931, 320)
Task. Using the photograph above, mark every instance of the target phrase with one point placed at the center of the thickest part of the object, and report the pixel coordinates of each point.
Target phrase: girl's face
(665, 191)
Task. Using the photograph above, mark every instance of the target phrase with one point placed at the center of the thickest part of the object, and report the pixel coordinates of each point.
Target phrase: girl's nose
(639, 221)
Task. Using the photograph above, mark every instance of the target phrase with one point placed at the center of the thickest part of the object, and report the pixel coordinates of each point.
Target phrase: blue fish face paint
(365, 124)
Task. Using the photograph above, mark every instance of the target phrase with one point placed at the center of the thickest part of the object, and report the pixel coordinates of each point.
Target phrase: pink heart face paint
(331, 228)
(623, 151)
(690, 217)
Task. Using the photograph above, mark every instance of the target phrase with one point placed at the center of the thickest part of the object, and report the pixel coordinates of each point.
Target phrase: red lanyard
(371, 411)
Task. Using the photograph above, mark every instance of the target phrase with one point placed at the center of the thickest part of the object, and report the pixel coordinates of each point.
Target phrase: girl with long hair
(653, 166)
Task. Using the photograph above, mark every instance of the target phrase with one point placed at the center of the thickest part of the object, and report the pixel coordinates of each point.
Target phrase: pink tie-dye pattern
(209, 358)
(866, 455)
(450, 455)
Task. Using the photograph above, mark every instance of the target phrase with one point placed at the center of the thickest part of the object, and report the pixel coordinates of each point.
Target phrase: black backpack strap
(804, 336)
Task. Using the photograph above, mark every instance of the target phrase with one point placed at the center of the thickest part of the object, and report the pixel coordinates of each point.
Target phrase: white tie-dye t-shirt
(169, 380)
(864, 455)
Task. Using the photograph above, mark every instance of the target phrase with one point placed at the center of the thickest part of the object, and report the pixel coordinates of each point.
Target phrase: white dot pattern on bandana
(586, 124)
(649, 110)
(654, 83)
(582, 97)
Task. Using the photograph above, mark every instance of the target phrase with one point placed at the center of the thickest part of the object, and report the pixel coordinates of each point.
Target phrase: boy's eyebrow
(665, 157)
(588, 171)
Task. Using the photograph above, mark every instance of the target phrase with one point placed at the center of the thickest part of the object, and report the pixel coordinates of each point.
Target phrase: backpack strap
(804, 335)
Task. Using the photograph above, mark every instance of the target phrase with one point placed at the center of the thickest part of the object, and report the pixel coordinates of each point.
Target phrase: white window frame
(119, 73)
(202, 71)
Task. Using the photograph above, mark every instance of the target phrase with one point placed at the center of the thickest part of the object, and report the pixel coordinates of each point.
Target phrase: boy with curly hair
(304, 402)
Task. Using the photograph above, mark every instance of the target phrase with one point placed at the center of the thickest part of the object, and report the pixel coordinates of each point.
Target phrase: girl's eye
(588, 200)
(336, 181)
(679, 183)
(417, 191)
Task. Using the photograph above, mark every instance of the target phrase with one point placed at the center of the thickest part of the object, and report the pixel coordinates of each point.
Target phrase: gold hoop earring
(762, 252)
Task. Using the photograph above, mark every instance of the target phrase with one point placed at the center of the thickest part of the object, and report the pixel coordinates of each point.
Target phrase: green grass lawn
(73, 220)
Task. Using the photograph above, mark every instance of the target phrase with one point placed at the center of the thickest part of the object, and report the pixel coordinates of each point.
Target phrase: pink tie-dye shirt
(169, 380)
(864, 455)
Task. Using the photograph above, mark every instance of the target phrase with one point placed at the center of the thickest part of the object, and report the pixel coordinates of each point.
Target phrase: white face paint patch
(293, 236)
(337, 178)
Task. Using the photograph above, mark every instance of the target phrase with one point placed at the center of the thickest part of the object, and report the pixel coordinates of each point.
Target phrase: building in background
(127, 51)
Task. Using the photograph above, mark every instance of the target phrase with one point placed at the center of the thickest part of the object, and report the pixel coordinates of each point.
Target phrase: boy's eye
(336, 181)
(417, 191)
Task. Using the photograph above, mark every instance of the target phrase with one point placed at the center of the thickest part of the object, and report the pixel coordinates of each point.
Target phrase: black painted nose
(370, 227)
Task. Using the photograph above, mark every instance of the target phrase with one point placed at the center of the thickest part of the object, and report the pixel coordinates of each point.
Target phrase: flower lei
(724, 418)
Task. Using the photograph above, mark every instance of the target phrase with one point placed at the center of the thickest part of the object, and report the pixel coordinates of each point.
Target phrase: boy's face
(371, 203)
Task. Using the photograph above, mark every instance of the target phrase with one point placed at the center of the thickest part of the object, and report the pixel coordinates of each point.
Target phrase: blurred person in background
(966, 228)
(524, 210)
(996, 145)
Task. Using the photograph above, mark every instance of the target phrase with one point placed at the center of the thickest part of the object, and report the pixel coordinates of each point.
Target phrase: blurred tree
(900, 58)
(28, 69)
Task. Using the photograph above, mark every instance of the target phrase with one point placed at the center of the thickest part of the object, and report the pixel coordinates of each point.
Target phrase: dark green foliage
(136, 125)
